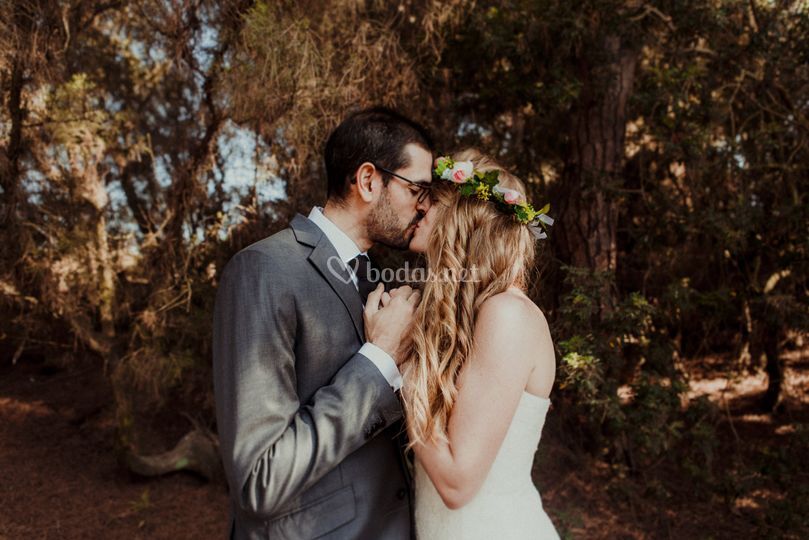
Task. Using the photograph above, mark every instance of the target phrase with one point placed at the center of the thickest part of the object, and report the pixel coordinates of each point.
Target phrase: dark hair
(376, 135)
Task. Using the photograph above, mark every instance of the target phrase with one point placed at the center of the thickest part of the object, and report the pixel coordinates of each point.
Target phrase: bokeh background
(143, 143)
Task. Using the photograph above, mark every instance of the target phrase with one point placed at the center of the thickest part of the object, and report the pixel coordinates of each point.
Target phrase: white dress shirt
(347, 250)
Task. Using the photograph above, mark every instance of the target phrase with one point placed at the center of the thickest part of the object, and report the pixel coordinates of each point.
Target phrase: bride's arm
(509, 335)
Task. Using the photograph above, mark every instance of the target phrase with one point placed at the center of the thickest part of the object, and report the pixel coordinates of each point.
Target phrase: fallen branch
(197, 451)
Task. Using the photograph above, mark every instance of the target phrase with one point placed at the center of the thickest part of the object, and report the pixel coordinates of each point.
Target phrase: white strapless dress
(508, 505)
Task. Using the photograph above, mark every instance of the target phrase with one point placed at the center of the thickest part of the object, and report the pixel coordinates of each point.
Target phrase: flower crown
(485, 186)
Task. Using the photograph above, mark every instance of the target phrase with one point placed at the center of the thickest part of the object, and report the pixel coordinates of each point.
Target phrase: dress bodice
(508, 504)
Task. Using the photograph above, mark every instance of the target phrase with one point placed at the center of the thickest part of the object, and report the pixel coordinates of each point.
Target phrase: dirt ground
(59, 477)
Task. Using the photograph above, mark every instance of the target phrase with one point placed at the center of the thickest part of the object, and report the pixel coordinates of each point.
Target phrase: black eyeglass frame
(425, 189)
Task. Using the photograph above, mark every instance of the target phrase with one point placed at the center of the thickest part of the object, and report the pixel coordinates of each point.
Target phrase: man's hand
(385, 324)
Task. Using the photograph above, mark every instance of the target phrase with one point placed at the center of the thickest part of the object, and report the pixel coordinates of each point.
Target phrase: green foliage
(700, 443)
(618, 372)
(141, 504)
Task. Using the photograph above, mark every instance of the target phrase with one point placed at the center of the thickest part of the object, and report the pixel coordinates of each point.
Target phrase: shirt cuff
(384, 364)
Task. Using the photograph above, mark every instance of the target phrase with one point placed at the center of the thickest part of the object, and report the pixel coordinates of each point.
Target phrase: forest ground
(61, 479)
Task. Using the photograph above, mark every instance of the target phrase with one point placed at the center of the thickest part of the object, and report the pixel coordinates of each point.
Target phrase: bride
(480, 362)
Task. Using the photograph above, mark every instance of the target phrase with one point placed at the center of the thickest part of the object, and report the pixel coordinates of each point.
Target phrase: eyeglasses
(425, 189)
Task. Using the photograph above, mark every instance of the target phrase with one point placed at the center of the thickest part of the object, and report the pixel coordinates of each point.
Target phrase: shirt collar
(343, 244)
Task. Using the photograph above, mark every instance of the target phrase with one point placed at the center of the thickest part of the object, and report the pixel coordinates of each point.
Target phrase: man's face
(393, 220)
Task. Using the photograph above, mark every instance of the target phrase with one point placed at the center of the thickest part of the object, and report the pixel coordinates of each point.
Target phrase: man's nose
(424, 206)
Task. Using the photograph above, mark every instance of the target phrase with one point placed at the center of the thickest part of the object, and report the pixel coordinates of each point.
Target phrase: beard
(385, 227)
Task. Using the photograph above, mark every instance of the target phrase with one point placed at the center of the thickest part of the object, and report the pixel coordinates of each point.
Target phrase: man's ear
(367, 181)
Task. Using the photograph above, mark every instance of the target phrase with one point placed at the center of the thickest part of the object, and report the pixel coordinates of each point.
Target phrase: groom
(304, 386)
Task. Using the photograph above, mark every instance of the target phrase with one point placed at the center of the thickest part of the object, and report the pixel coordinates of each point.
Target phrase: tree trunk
(589, 211)
(773, 368)
(91, 188)
(10, 163)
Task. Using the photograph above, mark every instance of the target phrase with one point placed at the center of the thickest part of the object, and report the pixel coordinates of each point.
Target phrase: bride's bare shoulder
(516, 329)
(511, 305)
(511, 315)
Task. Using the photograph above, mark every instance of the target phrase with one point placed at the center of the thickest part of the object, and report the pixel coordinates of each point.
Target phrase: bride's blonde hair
(474, 252)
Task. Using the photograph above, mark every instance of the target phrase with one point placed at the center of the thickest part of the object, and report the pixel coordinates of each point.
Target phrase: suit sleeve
(273, 446)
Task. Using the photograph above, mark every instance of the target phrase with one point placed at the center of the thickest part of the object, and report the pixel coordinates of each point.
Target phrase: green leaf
(490, 178)
(443, 163)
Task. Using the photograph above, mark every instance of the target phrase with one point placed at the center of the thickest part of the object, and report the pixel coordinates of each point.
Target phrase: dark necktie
(361, 266)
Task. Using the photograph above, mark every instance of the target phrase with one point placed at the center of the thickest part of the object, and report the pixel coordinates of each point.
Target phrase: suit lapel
(325, 259)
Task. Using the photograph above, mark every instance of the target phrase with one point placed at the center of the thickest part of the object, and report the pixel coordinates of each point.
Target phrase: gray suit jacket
(307, 425)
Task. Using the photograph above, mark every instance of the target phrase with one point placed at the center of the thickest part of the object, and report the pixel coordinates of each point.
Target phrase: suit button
(401, 494)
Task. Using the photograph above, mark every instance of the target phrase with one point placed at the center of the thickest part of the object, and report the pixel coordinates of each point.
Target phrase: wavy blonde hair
(471, 237)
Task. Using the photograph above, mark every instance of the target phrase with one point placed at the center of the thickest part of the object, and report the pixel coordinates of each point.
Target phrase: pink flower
(514, 198)
(510, 196)
(462, 171)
